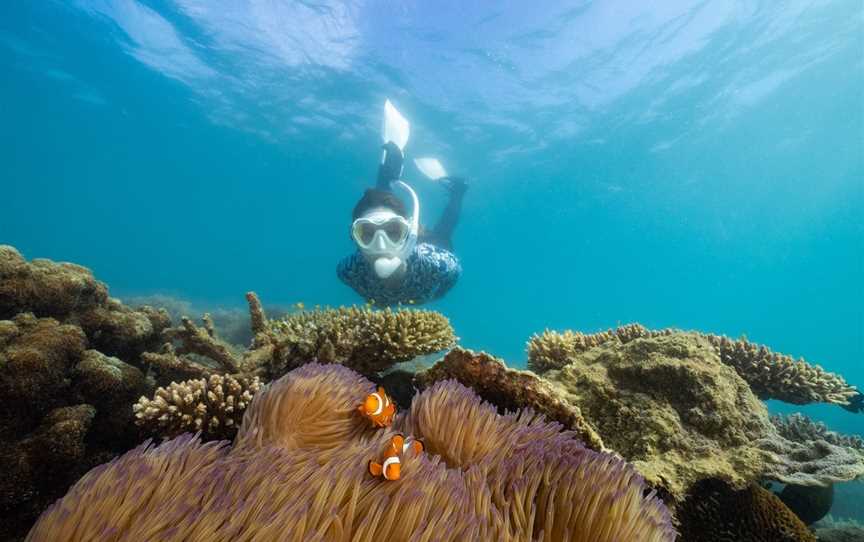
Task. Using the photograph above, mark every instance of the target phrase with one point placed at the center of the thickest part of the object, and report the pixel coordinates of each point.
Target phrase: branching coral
(366, 340)
(298, 472)
(770, 375)
(213, 406)
(510, 389)
(714, 511)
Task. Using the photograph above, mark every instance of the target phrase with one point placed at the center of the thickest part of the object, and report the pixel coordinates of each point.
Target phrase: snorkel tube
(395, 133)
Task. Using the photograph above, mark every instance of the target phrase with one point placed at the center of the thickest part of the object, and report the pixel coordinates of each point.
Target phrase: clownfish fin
(397, 442)
(418, 446)
(375, 469)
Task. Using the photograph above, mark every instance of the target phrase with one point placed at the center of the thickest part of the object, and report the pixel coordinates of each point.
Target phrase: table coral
(298, 472)
(799, 428)
(769, 374)
(362, 338)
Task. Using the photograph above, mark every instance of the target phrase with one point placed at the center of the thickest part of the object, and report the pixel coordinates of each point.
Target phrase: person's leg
(391, 168)
(442, 233)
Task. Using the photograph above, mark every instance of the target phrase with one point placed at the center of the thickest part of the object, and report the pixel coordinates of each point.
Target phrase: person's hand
(455, 185)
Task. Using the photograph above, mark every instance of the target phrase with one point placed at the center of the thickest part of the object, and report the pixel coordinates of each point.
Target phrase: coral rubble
(298, 472)
(769, 374)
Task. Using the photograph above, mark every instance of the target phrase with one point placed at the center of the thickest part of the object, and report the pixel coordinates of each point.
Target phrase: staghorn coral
(799, 428)
(510, 389)
(716, 512)
(366, 340)
(298, 472)
(769, 374)
(213, 406)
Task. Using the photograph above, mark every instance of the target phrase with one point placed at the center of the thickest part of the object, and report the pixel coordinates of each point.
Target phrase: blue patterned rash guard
(431, 272)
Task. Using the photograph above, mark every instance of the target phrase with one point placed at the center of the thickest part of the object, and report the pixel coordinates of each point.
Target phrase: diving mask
(380, 231)
(387, 239)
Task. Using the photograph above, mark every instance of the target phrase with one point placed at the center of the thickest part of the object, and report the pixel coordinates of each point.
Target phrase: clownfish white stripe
(380, 408)
(389, 462)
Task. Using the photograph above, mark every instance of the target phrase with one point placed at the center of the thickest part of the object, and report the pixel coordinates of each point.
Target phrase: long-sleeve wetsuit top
(431, 271)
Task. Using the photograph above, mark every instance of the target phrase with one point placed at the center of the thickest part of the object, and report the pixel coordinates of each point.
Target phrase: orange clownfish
(378, 408)
(391, 469)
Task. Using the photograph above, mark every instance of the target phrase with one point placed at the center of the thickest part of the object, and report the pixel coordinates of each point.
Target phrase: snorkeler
(396, 260)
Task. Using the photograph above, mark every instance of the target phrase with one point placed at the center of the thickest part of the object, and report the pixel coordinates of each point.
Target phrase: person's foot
(455, 185)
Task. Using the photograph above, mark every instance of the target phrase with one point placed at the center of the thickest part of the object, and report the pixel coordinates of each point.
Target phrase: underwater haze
(697, 165)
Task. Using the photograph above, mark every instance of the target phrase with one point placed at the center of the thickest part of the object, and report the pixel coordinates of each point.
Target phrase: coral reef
(231, 324)
(213, 406)
(833, 530)
(65, 409)
(769, 374)
(70, 294)
(668, 405)
(298, 472)
(510, 389)
(714, 512)
(369, 341)
(366, 340)
(808, 454)
(810, 463)
(799, 428)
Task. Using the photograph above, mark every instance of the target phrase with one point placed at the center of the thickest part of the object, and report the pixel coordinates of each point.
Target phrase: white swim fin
(430, 167)
(396, 127)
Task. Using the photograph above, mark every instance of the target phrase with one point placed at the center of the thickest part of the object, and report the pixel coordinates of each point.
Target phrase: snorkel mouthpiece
(384, 267)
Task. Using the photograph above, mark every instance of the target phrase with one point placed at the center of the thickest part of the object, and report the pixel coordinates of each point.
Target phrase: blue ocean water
(687, 164)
